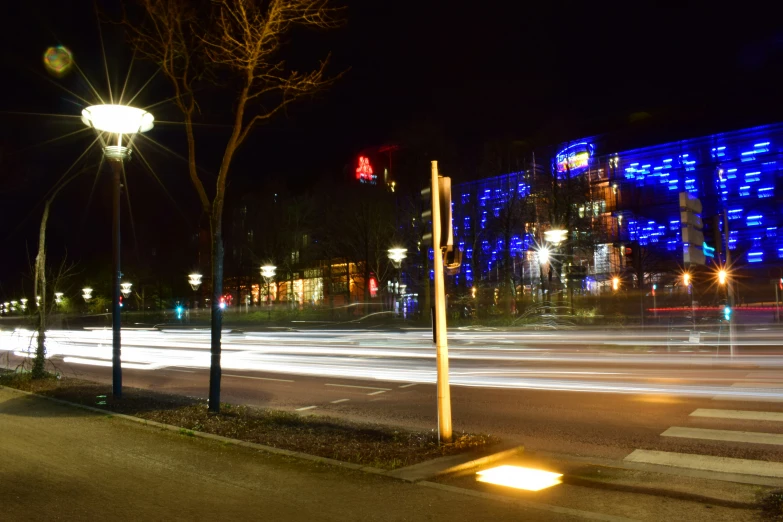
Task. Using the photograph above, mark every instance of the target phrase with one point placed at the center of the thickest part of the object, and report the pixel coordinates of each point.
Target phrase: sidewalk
(62, 463)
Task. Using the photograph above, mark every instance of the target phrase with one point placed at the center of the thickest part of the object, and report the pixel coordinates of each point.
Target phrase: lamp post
(86, 293)
(396, 255)
(268, 273)
(686, 279)
(115, 121)
(194, 280)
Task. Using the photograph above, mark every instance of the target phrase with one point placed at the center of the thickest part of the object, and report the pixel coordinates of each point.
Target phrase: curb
(203, 435)
(407, 474)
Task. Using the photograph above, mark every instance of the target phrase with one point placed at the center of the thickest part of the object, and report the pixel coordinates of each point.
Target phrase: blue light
(758, 145)
(727, 313)
(755, 257)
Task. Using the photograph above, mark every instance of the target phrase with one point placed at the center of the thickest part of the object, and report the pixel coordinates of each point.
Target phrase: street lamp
(555, 236)
(195, 281)
(23, 301)
(268, 272)
(86, 293)
(58, 297)
(686, 280)
(126, 289)
(116, 121)
(396, 255)
(615, 283)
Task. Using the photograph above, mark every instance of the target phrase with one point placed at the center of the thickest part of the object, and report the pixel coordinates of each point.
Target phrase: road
(576, 393)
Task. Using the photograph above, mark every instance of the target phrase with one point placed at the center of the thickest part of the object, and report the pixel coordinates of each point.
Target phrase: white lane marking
(377, 392)
(408, 385)
(306, 408)
(739, 414)
(706, 462)
(182, 371)
(746, 399)
(338, 401)
(257, 378)
(725, 435)
(361, 387)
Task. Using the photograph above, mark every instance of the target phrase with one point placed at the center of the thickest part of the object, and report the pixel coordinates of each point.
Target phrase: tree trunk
(39, 287)
(217, 313)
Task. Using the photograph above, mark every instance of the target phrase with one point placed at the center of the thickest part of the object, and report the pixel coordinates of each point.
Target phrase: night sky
(415, 72)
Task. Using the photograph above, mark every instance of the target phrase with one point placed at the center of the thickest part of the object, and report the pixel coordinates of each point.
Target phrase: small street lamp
(58, 297)
(555, 236)
(126, 289)
(116, 121)
(396, 255)
(24, 303)
(615, 283)
(195, 281)
(86, 293)
(268, 273)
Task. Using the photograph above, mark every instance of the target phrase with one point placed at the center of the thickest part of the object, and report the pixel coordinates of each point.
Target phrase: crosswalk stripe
(725, 435)
(708, 463)
(739, 414)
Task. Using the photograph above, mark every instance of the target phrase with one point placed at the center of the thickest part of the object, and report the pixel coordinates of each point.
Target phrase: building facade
(622, 211)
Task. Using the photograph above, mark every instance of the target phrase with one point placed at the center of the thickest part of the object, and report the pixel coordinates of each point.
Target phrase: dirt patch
(367, 444)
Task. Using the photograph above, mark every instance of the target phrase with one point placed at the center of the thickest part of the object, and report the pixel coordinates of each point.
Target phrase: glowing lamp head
(125, 288)
(87, 293)
(195, 281)
(117, 119)
(686, 278)
(615, 283)
(397, 255)
(722, 276)
(555, 236)
(268, 271)
(543, 255)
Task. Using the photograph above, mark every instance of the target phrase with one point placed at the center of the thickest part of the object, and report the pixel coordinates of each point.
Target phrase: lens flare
(58, 60)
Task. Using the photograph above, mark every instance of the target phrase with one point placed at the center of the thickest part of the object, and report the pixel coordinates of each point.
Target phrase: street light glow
(117, 119)
(195, 281)
(87, 293)
(518, 477)
(555, 236)
(543, 255)
(398, 254)
(125, 288)
(722, 276)
(615, 283)
(268, 271)
(686, 279)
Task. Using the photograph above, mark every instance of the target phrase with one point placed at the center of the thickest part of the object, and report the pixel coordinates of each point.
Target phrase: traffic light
(654, 288)
(780, 283)
(120, 301)
(727, 312)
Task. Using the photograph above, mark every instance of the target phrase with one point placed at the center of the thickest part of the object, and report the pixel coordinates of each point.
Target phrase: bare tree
(241, 42)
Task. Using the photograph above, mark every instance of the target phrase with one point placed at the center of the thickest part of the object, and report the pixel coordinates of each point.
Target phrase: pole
(116, 365)
(729, 286)
(441, 340)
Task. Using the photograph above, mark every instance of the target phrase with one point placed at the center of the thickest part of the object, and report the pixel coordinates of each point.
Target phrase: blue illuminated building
(632, 198)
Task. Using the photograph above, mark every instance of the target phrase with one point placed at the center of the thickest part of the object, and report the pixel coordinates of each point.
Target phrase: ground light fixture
(519, 477)
(112, 122)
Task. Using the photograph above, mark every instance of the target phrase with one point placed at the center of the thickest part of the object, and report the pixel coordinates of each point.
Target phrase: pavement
(63, 463)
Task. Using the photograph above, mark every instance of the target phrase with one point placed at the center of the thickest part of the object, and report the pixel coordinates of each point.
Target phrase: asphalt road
(573, 393)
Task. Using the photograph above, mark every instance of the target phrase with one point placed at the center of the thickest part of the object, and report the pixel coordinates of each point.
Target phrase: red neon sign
(373, 286)
(364, 171)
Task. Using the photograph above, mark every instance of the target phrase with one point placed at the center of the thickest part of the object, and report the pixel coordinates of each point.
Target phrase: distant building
(628, 206)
